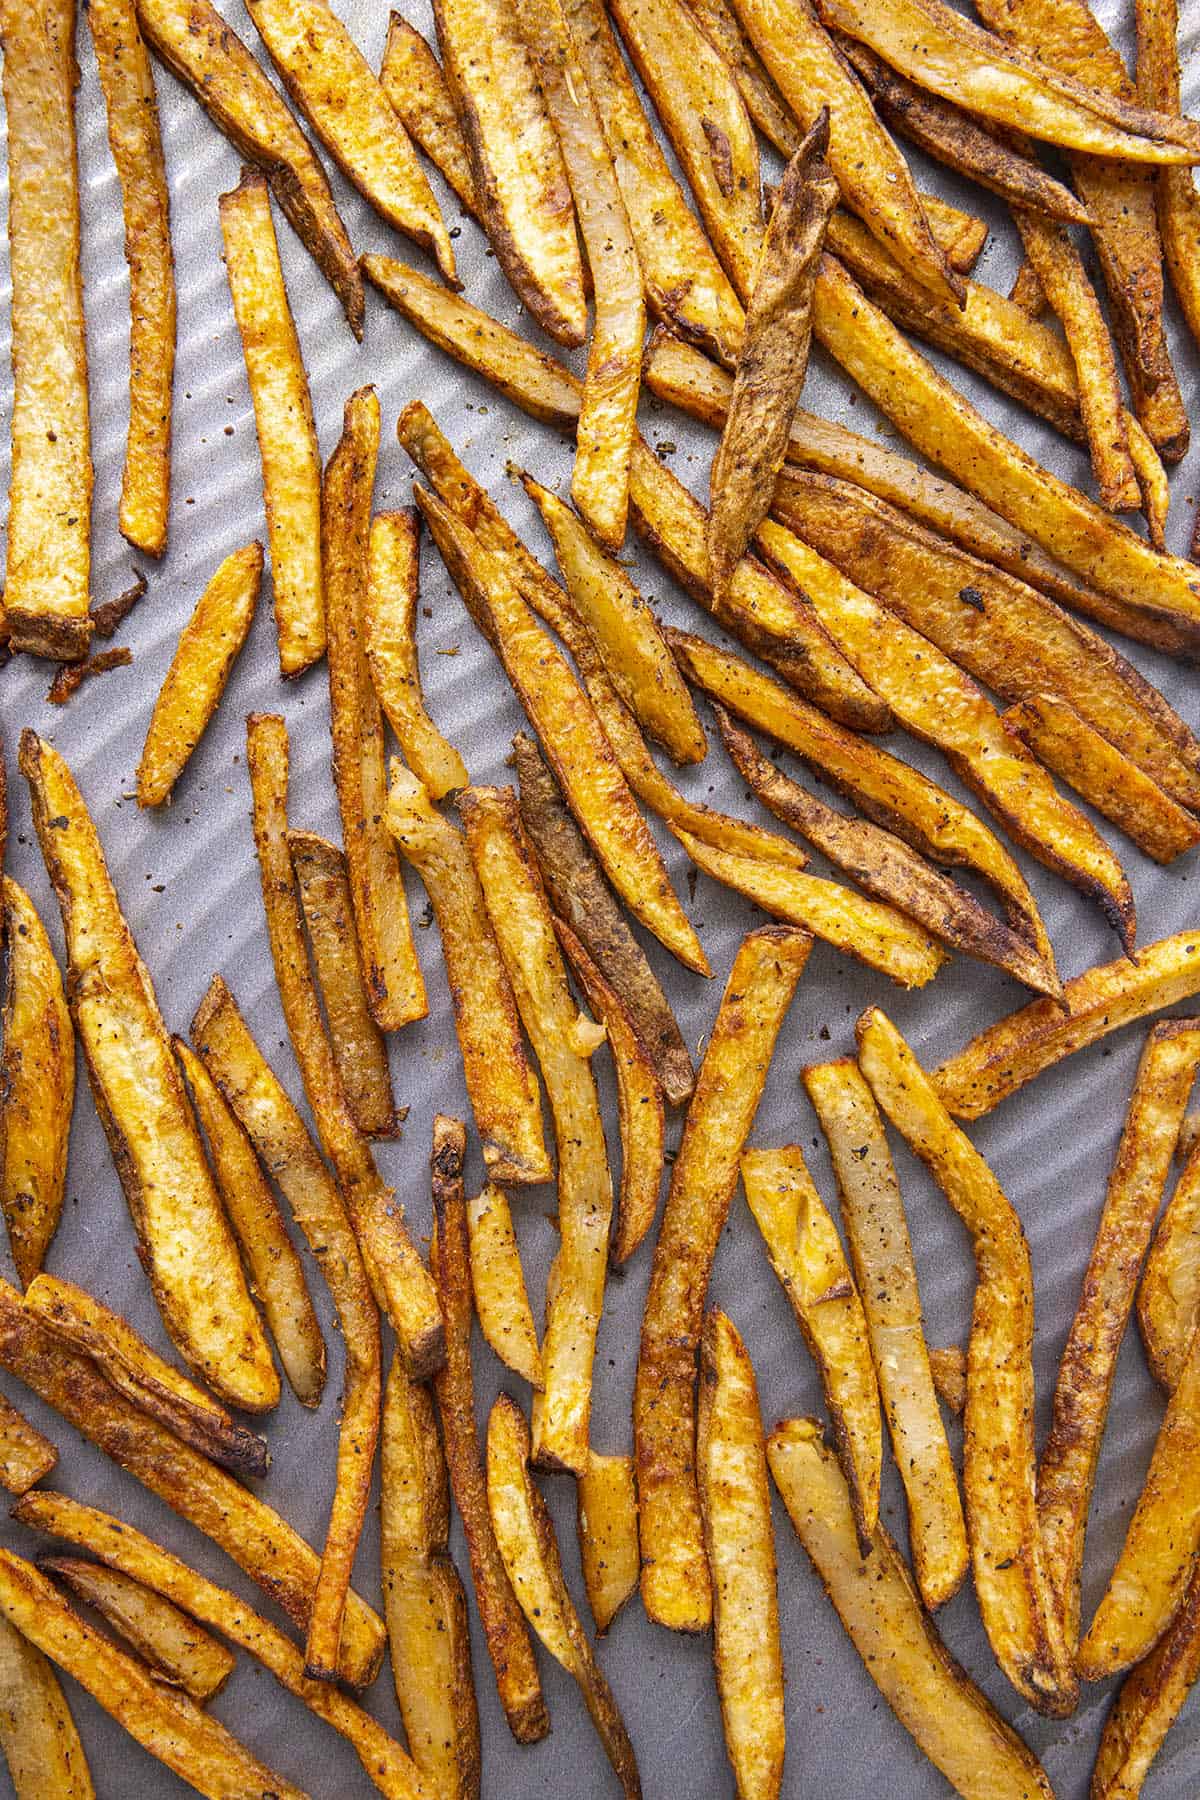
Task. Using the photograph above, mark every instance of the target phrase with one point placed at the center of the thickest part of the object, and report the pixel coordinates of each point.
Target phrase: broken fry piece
(37, 1084)
(25, 1455)
(606, 1507)
(948, 1366)
(45, 1758)
(411, 77)
(498, 1284)
(178, 1650)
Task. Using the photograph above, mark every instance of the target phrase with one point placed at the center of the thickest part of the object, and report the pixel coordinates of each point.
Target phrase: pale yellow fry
(1144, 1710)
(606, 1516)
(25, 1455)
(498, 1283)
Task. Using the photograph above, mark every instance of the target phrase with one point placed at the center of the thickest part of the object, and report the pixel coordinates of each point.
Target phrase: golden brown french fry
(1149, 1700)
(411, 77)
(606, 1508)
(45, 1758)
(207, 56)
(763, 100)
(873, 1215)
(948, 1366)
(178, 1650)
(676, 1585)
(1020, 1609)
(498, 1285)
(37, 1084)
(525, 1535)
(47, 589)
(203, 661)
(424, 1602)
(359, 1051)
(932, 1696)
(389, 619)
(25, 1455)
(1168, 1299)
(1178, 205)
(283, 419)
(136, 144)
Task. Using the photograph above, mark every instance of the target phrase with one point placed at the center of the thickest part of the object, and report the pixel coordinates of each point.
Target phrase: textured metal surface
(188, 882)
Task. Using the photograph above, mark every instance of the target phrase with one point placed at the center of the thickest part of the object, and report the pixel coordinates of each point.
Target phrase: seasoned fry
(1144, 1710)
(389, 620)
(283, 419)
(185, 1240)
(47, 592)
(1019, 1607)
(873, 1215)
(1178, 205)
(37, 1083)
(136, 144)
(762, 98)
(208, 57)
(606, 1508)
(525, 1534)
(45, 1758)
(177, 1649)
(203, 661)
(676, 1585)
(948, 1366)
(25, 1455)
(931, 1695)
(411, 77)
(1168, 1299)
(498, 1285)
(359, 1051)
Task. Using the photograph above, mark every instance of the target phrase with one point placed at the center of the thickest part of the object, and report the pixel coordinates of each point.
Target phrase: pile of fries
(968, 599)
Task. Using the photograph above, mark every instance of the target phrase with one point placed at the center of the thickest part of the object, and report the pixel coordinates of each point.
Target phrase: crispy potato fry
(45, 1758)
(1002, 1057)
(135, 140)
(47, 592)
(25, 1454)
(128, 1363)
(423, 1596)
(120, 1546)
(359, 1051)
(276, 1272)
(184, 1237)
(389, 619)
(1019, 1607)
(208, 57)
(504, 1628)
(762, 98)
(525, 1535)
(606, 1509)
(873, 1215)
(676, 1584)
(1178, 205)
(932, 1696)
(178, 1650)
(948, 1366)
(37, 1084)
(498, 1285)
(1144, 1710)
(411, 77)
(1168, 1301)
(283, 419)
(203, 661)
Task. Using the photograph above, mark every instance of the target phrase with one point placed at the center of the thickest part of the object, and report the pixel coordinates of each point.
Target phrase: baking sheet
(189, 885)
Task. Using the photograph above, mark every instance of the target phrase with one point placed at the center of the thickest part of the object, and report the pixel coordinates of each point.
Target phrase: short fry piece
(1168, 1300)
(192, 687)
(177, 1649)
(1144, 1710)
(389, 619)
(948, 1366)
(37, 1084)
(498, 1284)
(606, 1508)
(45, 1758)
(25, 1455)
(411, 77)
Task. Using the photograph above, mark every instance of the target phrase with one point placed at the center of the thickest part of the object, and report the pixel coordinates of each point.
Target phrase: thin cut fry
(948, 1366)
(37, 1084)
(45, 1758)
(1178, 205)
(178, 1650)
(203, 661)
(606, 1506)
(1150, 1698)
(763, 100)
(498, 1285)
(676, 1585)
(1168, 1300)
(411, 77)
(25, 1455)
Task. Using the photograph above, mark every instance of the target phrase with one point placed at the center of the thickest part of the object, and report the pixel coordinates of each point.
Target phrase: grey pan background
(188, 881)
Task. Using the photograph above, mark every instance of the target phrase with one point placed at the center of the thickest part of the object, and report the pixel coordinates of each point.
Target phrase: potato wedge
(1150, 1698)
(498, 1285)
(189, 1252)
(135, 140)
(1178, 206)
(877, 1231)
(525, 1534)
(606, 1512)
(207, 56)
(411, 77)
(25, 1454)
(1019, 1607)
(932, 1696)
(948, 1366)
(504, 1628)
(47, 588)
(676, 1584)
(37, 1084)
(389, 619)
(203, 661)
(283, 419)
(1168, 1301)
(424, 1602)
(179, 1651)
(45, 1758)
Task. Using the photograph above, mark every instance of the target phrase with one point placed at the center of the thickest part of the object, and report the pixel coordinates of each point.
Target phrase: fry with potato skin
(45, 1758)
(498, 1285)
(389, 619)
(763, 100)
(411, 77)
(25, 1455)
(1150, 1697)
(178, 1650)
(606, 1516)
(1168, 1301)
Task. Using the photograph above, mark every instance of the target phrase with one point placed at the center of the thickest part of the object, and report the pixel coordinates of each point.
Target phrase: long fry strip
(1147, 1705)
(45, 1758)
(37, 1084)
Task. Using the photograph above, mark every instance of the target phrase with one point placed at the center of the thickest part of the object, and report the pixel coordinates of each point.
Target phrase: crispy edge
(411, 77)
(498, 1285)
(25, 1453)
(606, 1520)
(178, 1650)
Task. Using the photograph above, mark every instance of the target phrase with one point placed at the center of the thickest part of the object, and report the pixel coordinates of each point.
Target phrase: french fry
(330, 81)
(735, 1503)
(762, 98)
(948, 1366)
(45, 1758)
(1003, 1057)
(1168, 1302)
(389, 619)
(179, 1651)
(1018, 1604)
(188, 1249)
(521, 919)
(525, 1535)
(47, 589)
(424, 1602)
(135, 140)
(1149, 1700)
(498, 1285)
(203, 661)
(606, 1513)
(37, 1084)
(283, 419)
(411, 77)
(207, 56)
(359, 1051)
(932, 1696)
(276, 1272)
(1178, 207)
(504, 1628)
(873, 1215)
(25, 1455)
(676, 1584)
